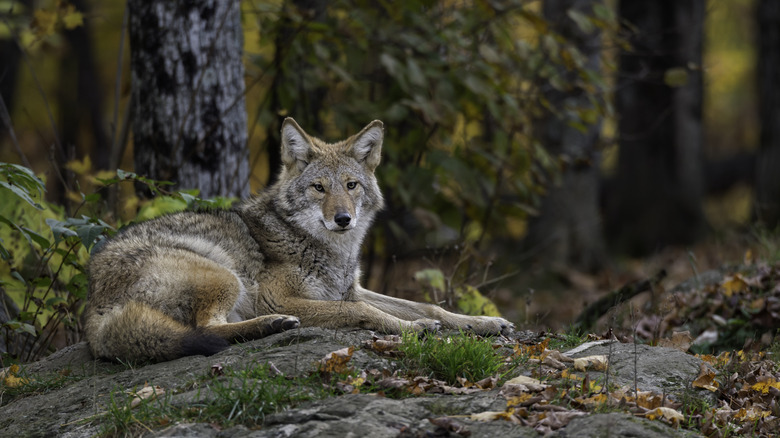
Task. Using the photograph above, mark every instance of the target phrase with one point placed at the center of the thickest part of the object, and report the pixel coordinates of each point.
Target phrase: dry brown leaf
(598, 363)
(494, 415)
(706, 379)
(557, 355)
(147, 392)
(679, 340)
(336, 361)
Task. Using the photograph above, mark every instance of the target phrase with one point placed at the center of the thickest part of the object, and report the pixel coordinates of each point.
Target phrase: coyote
(192, 282)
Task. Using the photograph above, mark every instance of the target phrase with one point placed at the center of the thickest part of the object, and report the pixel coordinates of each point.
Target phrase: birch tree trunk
(768, 165)
(189, 121)
(568, 228)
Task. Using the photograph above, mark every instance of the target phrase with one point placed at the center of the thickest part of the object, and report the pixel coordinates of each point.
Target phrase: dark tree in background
(655, 199)
(768, 164)
(189, 121)
(306, 109)
(568, 229)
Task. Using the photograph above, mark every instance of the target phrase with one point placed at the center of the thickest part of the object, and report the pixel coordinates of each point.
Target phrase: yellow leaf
(751, 414)
(566, 374)
(44, 22)
(80, 167)
(596, 400)
(10, 379)
(72, 18)
(734, 284)
(518, 400)
(763, 387)
(667, 414)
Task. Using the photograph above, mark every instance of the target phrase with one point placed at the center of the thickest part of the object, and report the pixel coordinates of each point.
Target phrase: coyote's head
(330, 189)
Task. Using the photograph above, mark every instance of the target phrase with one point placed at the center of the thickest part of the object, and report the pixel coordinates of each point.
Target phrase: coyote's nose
(342, 219)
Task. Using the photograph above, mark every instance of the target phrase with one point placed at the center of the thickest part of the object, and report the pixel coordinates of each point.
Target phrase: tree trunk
(289, 73)
(768, 164)
(568, 228)
(658, 187)
(189, 122)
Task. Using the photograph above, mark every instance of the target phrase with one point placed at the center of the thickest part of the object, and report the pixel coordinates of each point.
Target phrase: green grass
(239, 397)
(35, 384)
(448, 358)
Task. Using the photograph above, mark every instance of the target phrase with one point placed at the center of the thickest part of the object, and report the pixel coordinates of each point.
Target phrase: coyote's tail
(137, 332)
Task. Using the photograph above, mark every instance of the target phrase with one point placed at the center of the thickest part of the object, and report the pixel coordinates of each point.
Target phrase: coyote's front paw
(490, 325)
(285, 322)
(426, 325)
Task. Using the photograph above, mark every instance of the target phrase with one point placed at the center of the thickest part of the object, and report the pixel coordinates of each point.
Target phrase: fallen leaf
(763, 387)
(679, 340)
(494, 415)
(523, 380)
(593, 401)
(147, 392)
(751, 414)
(336, 361)
(598, 363)
(668, 414)
(734, 284)
(10, 378)
(706, 379)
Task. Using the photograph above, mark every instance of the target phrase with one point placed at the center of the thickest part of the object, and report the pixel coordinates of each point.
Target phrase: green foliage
(463, 356)
(458, 85)
(467, 298)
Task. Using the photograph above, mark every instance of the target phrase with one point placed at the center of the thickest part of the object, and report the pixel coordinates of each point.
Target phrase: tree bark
(768, 162)
(659, 182)
(567, 230)
(189, 122)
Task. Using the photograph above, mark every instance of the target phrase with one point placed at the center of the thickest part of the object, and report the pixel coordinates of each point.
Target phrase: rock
(74, 409)
(615, 424)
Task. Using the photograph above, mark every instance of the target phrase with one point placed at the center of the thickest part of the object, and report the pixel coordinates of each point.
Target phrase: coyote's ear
(296, 145)
(367, 144)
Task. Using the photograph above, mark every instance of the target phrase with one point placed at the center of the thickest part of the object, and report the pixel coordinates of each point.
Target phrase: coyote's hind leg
(215, 292)
(254, 328)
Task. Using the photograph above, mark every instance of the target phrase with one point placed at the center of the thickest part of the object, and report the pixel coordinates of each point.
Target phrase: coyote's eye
(351, 185)
(318, 187)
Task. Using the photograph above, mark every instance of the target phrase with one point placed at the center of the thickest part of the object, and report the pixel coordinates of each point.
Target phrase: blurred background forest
(532, 148)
